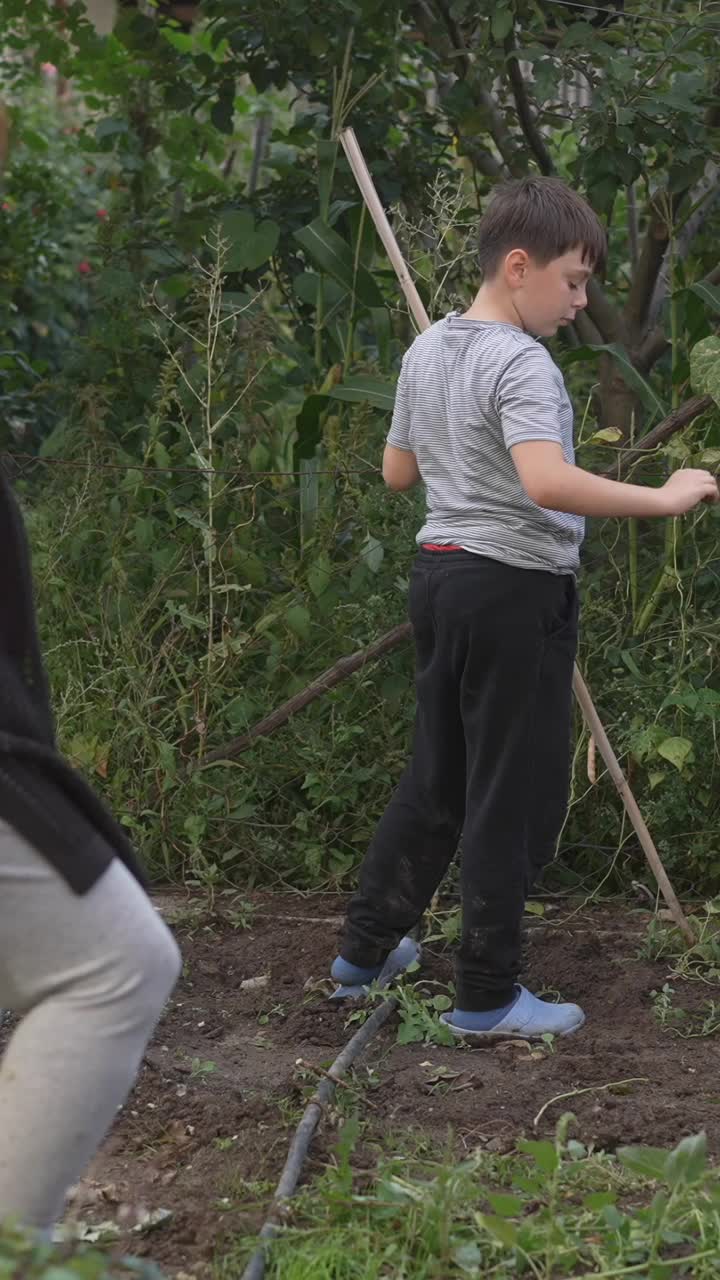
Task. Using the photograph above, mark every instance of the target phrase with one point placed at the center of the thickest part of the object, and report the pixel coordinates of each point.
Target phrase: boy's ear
(515, 265)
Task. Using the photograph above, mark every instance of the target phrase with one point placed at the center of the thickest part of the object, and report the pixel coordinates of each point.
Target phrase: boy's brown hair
(544, 217)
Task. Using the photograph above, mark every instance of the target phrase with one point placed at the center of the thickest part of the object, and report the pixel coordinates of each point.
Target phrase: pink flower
(102, 214)
(84, 267)
(48, 68)
(6, 206)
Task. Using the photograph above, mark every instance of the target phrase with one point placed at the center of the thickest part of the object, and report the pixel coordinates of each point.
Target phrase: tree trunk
(619, 405)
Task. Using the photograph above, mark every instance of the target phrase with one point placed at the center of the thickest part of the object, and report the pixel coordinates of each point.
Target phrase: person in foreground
(84, 957)
(483, 420)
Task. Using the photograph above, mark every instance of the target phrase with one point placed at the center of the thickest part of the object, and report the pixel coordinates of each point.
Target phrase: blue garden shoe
(354, 982)
(527, 1018)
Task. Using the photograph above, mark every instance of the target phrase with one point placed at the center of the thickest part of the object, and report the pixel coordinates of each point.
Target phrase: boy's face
(547, 297)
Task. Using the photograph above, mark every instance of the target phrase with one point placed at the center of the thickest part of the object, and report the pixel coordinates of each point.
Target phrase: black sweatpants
(495, 647)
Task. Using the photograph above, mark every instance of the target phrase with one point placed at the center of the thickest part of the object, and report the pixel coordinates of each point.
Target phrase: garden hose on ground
(255, 1269)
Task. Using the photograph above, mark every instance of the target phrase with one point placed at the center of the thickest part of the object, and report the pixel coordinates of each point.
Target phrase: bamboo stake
(364, 180)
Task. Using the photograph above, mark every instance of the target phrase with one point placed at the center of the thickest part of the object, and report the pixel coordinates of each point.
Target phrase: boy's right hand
(685, 490)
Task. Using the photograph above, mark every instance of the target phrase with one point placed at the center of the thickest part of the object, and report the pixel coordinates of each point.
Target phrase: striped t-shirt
(469, 390)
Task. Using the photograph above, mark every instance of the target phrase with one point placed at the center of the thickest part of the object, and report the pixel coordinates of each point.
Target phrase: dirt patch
(205, 1132)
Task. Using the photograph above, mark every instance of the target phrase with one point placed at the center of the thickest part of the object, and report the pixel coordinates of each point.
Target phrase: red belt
(436, 546)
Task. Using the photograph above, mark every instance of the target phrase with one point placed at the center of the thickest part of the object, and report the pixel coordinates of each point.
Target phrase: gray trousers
(90, 975)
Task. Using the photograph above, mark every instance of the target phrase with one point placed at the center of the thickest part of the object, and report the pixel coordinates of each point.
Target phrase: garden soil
(205, 1133)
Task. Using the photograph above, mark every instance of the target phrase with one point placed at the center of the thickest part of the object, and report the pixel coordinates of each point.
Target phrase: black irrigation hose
(255, 1269)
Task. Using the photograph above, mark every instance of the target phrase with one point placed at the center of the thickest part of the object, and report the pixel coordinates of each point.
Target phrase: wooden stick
(675, 421)
(356, 160)
(327, 680)
(362, 176)
(597, 730)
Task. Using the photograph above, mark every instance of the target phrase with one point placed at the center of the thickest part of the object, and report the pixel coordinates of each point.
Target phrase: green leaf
(221, 113)
(332, 254)
(409, 1033)
(161, 455)
(259, 456)
(599, 1199)
(676, 750)
(372, 553)
(688, 1162)
(305, 286)
(380, 317)
(327, 150)
(647, 1162)
(109, 126)
(249, 246)
(543, 1153)
(505, 1205)
(705, 368)
(532, 1185)
(580, 33)
(236, 225)
(708, 293)
(176, 286)
(632, 666)
(309, 489)
(501, 24)
(441, 1003)
(262, 244)
(297, 620)
(191, 517)
(468, 1257)
(500, 1228)
(319, 575)
(613, 1217)
(535, 908)
(608, 435)
(363, 390)
(308, 425)
(178, 39)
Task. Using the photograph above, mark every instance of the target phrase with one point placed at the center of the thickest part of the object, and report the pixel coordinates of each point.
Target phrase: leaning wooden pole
(356, 160)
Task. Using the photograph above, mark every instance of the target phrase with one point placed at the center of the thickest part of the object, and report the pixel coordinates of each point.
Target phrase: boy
(482, 418)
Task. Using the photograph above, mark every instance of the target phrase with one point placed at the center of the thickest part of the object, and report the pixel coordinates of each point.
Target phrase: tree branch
(675, 421)
(632, 218)
(706, 197)
(500, 134)
(481, 158)
(528, 124)
(651, 348)
(606, 317)
(663, 209)
(712, 114)
(646, 273)
(656, 342)
(587, 330)
(334, 675)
